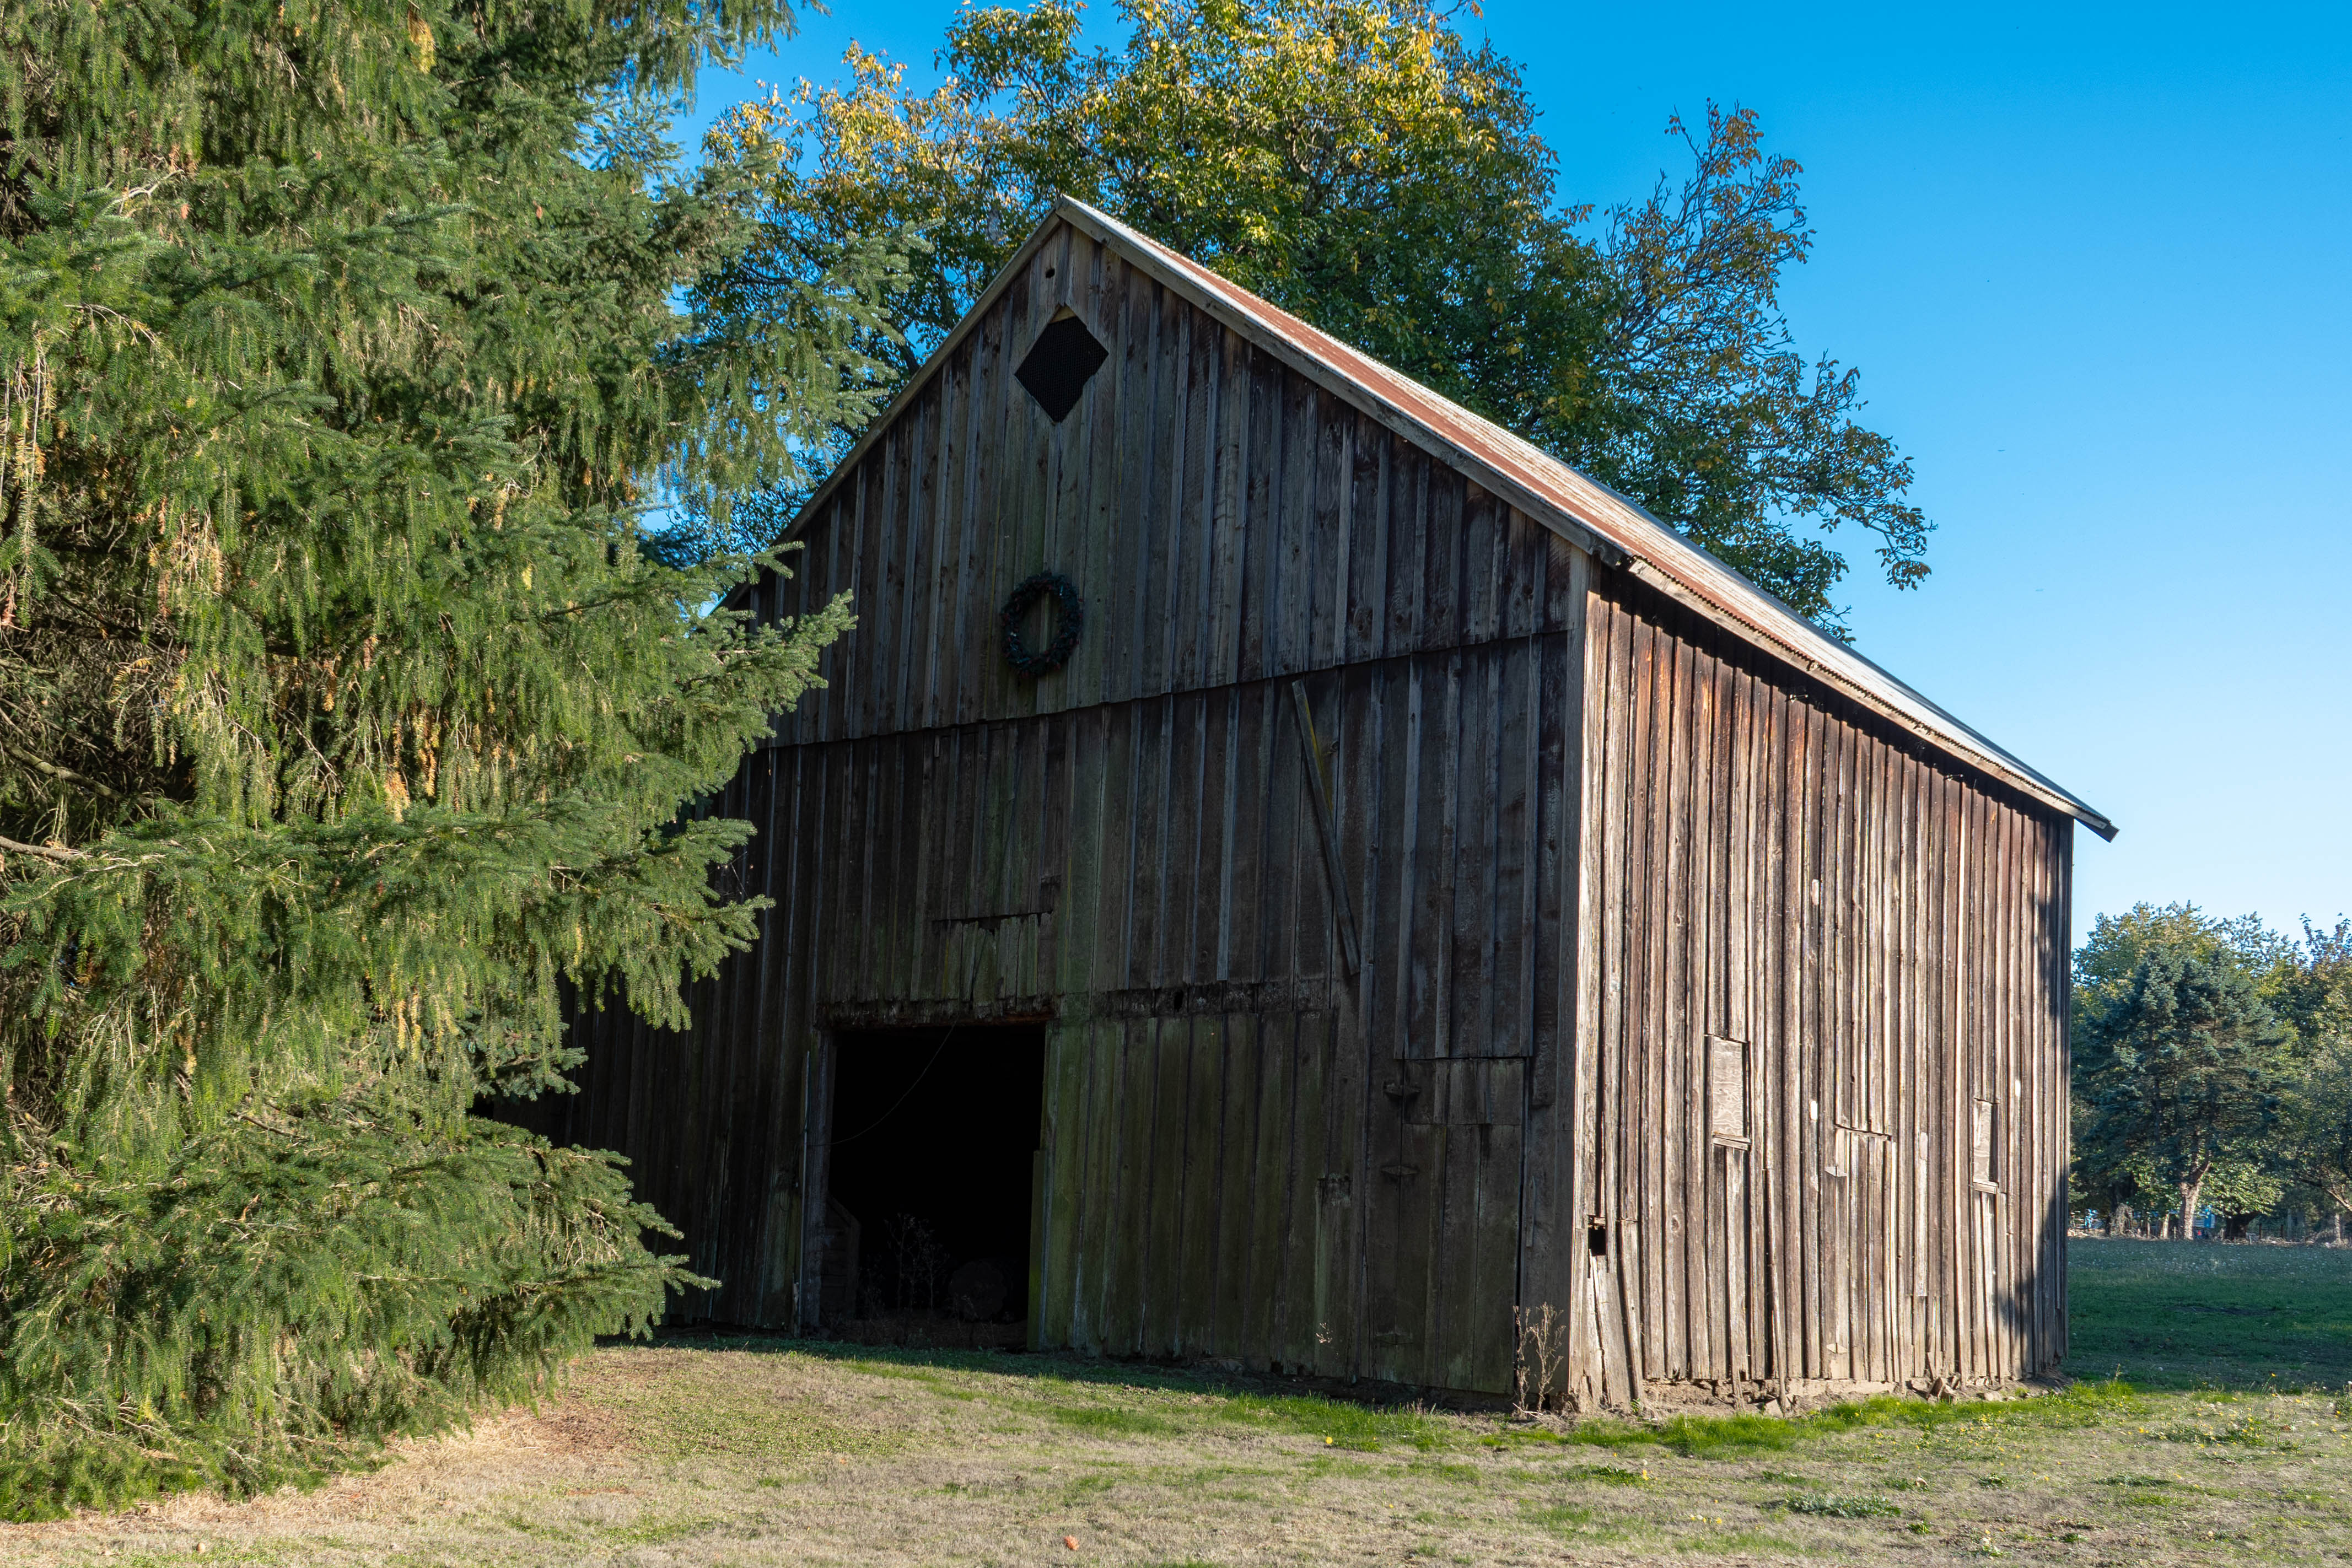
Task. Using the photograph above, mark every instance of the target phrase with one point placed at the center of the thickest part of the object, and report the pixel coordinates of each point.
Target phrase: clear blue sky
(2096, 265)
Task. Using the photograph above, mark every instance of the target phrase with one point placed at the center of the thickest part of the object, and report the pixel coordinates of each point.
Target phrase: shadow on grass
(2162, 1315)
(1093, 1395)
(1076, 1390)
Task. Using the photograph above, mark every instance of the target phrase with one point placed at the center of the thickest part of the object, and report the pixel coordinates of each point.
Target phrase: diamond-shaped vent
(1059, 364)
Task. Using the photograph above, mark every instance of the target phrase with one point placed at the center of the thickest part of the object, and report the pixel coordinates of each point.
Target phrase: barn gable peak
(1614, 529)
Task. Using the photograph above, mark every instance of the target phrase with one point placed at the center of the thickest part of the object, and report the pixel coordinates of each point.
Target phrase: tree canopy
(1361, 164)
(2186, 1068)
(2212, 1063)
(348, 698)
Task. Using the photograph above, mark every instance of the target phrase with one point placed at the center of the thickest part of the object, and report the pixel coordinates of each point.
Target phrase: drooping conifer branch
(342, 347)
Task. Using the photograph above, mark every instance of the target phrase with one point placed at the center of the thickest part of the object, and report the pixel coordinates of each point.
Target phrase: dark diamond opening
(1059, 364)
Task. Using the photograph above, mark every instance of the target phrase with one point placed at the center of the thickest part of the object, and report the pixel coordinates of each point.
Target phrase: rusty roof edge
(1589, 509)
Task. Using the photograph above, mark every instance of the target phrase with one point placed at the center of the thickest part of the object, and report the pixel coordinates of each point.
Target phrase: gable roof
(1580, 509)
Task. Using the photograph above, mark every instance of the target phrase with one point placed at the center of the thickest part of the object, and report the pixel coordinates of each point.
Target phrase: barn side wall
(1254, 1148)
(1793, 906)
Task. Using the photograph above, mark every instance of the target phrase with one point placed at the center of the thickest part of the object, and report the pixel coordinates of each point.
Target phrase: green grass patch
(1341, 1424)
(929, 1377)
(1744, 1435)
(1694, 1437)
(1729, 1436)
(2077, 1405)
(2204, 1315)
(1609, 1475)
(892, 1370)
(1458, 1474)
(1840, 1505)
(1111, 1420)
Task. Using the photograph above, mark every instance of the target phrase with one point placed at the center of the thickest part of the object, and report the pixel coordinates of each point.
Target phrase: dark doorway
(935, 1140)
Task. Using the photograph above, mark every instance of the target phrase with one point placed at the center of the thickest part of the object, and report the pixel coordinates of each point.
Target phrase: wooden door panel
(1443, 1228)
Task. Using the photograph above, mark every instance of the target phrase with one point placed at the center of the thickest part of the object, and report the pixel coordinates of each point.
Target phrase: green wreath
(1069, 620)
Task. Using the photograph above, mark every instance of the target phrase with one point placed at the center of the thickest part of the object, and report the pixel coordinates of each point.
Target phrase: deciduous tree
(2314, 995)
(1363, 165)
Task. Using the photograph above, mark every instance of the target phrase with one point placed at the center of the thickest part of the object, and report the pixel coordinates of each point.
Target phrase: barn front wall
(1283, 859)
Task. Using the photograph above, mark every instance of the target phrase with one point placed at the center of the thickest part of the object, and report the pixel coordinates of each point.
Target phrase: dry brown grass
(709, 1457)
(768, 1454)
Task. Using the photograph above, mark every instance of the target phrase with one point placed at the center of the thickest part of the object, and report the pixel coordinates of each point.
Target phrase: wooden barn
(1429, 888)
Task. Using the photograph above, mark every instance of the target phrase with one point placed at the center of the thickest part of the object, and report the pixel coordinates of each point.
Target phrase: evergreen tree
(348, 700)
(2182, 1073)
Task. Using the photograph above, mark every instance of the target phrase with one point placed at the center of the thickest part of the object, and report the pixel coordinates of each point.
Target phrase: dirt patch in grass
(749, 1452)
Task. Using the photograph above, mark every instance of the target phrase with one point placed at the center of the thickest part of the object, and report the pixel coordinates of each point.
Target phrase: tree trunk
(2188, 1192)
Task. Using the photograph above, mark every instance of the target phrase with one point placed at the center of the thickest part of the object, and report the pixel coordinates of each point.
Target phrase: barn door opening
(935, 1135)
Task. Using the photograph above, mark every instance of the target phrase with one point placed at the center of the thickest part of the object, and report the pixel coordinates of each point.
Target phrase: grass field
(2232, 1442)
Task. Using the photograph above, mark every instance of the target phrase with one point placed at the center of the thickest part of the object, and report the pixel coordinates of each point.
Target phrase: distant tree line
(2213, 1070)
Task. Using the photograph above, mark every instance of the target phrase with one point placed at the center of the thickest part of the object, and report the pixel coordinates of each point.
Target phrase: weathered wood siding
(1227, 521)
(1254, 1149)
(1881, 941)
